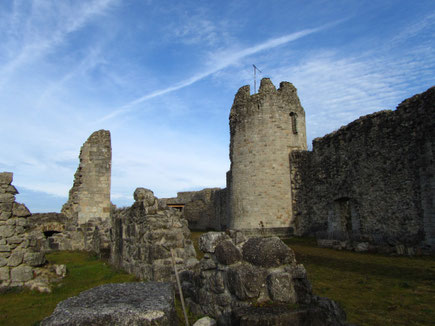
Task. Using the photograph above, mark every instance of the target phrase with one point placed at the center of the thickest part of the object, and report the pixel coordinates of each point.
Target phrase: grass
(25, 307)
(373, 289)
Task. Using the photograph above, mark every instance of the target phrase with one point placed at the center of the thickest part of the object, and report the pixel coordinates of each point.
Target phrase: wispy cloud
(414, 30)
(221, 61)
(39, 41)
(337, 89)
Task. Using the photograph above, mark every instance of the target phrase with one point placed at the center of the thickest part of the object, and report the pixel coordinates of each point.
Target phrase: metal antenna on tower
(255, 77)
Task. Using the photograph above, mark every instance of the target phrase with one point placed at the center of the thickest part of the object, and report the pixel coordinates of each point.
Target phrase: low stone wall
(370, 185)
(143, 236)
(19, 255)
(204, 209)
(55, 231)
(237, 275)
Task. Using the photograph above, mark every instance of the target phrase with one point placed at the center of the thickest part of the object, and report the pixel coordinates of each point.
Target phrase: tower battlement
(265, 128)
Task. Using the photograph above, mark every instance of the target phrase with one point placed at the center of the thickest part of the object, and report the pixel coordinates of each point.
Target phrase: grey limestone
(220, 287)
(264, 128)
(131, 304)
(369, 185)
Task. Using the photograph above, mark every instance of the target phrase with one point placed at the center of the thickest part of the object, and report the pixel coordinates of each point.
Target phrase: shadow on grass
(371, 268)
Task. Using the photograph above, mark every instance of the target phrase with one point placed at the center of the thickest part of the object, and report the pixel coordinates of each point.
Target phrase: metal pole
(255, 79)
(179, 289)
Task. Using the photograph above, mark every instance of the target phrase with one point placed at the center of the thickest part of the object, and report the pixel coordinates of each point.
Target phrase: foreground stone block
(263, 286)
(118, 304)
(21, 273)
(208, 241)
(267, 252)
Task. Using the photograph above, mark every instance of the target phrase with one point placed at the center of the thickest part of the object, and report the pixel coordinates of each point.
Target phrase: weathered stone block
(122, 304)
(34, 258)
(267, 252)
(21, 273)
(4, 274)
(6, 207)
(145, 196)
(280, 287)
(5, 215)
(7, 231)
(60, 270)
(7, 198)
(20, 210)
(245, 281)
(15, 259)
(15, 240)
(3, 261)
(6, 178)
(216, 282)
(205, 321)
(208, 241)
(227, 253)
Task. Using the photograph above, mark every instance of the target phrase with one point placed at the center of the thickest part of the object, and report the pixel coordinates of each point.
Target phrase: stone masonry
(88, 206)
(89, 198)
(143, 236)
(255, 281)
(371, 184)
(204, 209)
(19, 256)
(265, 128)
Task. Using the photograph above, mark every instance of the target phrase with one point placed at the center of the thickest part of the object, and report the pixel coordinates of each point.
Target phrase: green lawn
(24, 307)
(372, 289)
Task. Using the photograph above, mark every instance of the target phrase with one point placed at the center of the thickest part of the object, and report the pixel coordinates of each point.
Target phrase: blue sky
(161, 76)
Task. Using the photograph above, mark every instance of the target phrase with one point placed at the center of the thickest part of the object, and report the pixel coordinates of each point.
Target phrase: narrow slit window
(293, 118)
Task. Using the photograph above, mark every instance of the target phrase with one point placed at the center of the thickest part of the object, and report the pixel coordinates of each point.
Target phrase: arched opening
(49, 233)
(343, 220)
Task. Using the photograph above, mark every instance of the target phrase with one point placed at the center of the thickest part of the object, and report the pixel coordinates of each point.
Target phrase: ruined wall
(265, 128)
(204, 209)
(88, 206)
(143, 236)
(238, 279)
(373, 180)
(89, 198)
(19, 256)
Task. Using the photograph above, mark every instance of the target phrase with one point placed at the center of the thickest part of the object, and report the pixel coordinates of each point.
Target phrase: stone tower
(265, 128)
(89, 198)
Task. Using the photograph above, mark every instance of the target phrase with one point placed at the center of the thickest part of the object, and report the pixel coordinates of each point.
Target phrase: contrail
(227, 61)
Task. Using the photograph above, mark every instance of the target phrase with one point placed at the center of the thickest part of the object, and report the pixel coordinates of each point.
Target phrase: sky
(162, 75)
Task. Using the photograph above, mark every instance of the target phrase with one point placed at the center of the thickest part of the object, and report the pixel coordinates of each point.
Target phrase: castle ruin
(89, 198)
(265, 128)
(368, 186)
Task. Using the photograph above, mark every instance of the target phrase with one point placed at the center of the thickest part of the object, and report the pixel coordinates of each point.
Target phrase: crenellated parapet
(265, 128)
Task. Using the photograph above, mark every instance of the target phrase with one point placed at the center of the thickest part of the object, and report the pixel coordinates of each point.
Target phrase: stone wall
(89, 198)
(19, 256)
(55, 231)
(143, 236)
(371, 182)
(88, 207)
(238, 276)
(265, 128)
(204, 209)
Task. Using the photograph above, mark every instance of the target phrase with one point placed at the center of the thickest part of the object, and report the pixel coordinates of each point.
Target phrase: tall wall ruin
(89, 198)
(265, 128)
(373, 180)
